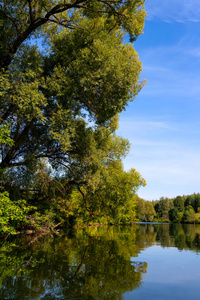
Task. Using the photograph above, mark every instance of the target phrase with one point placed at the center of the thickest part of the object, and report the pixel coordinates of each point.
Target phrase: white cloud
(173, 10)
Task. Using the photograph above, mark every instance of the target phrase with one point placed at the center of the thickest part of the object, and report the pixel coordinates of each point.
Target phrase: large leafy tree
(82, 69)
(65, 75)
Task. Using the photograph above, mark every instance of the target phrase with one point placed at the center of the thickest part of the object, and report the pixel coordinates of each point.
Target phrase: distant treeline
(181, 209)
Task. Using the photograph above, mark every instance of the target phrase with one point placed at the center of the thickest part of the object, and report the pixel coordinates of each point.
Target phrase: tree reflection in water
(94, 263)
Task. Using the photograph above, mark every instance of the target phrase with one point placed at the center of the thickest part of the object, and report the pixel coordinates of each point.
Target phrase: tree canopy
(65, 75)
(22, 19)
(82, 69)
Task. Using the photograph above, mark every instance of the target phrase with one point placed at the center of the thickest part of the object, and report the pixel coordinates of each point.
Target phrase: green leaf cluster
(12, 214)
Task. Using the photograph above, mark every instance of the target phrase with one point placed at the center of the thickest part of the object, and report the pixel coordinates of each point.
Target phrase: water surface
(147, 261)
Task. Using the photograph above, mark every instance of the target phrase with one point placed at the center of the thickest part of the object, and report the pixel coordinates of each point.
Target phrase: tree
(175, 215)
(59, 101)
(194, 201)
(149, 211)
(84, 69)
(197, 202)
(189, 215)
(145, 210)
(190, 200)
(179, 203)
(140, 209)
(163, 207)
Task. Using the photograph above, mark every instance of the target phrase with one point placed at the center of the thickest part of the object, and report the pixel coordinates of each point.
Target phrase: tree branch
(9, 156)
(13, 21)
(30, 10)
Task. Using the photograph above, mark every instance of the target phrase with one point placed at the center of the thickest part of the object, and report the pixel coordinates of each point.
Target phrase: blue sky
(163, 124)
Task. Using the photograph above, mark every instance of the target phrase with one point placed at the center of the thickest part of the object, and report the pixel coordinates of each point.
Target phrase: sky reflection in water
(171, 274)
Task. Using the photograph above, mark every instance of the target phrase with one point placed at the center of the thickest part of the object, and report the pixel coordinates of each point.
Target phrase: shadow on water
(93, 263)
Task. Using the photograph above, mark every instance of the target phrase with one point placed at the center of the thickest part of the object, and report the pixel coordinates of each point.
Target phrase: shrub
(12, 214)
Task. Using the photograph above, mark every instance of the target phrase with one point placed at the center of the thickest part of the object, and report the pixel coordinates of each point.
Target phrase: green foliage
(196, 202)
(5, 135)
(108, 196)
(197, 220)
(190, 200)
(20, 21)
(175, 216)
(12, 214)
(91, 71)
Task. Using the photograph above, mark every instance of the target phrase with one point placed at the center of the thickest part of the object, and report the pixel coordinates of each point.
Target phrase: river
(143, 261)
